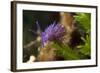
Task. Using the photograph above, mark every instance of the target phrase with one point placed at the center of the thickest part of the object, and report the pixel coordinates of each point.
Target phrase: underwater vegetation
(55, 41)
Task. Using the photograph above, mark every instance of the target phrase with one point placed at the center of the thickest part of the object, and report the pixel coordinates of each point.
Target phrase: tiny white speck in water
(38, 38)
(32, 59)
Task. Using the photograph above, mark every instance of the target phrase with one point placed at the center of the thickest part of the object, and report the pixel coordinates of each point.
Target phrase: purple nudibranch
(52, 32)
